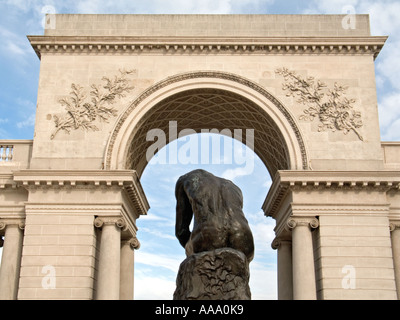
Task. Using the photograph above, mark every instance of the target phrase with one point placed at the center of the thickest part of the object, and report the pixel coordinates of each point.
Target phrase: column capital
(278, 242)
(4, 223)
(133, 243)
(394, 225)
(119, 222)
(294, 222)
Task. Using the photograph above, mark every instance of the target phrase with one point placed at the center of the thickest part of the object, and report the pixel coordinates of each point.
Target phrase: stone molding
(84, 179)
(287, 181)
(7, 181)
(362, 45)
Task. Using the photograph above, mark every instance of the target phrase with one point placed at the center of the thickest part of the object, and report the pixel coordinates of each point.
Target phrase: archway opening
(157, 262)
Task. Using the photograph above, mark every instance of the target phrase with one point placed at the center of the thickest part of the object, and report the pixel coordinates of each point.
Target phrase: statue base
(221, 274)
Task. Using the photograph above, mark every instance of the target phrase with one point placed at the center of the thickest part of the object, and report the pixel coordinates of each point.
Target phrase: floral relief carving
(82, 110)
(330, 105)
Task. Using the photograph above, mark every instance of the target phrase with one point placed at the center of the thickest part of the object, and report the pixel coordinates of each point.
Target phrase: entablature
(354, 45)
(287, 181)
(126, 180)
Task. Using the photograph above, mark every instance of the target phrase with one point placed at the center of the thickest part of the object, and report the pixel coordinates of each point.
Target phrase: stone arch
(208, 100)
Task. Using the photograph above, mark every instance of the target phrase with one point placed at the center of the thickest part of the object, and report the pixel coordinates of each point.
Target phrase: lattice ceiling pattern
(211, 109)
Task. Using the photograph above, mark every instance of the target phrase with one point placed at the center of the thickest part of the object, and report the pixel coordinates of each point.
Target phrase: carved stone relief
(330, 105)
(82, 110)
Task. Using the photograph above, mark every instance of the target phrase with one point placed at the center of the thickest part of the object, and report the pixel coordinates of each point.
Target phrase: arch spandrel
(208, 100)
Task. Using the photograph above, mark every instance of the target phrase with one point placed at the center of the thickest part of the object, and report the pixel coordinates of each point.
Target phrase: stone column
(395, 237)
(304, 286)
(127, 268)
(108, 280)
(11, 258)
(285, 278)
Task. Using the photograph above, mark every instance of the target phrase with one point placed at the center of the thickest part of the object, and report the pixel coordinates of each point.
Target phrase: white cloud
(392, 131)
(153, 6)
(263, 231)
(5, 135)
(232, 174)
(384, 16)
(13, 43)
(389, 108)
(153, 217)
(159, 260)
(328, 6)
(28, 122)
(27, 109)
(136, 6)
(263, 281)
(158, 233)
(153, 288)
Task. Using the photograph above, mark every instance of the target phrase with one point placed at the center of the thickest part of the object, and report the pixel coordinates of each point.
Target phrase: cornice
(7, 181)
(206, 45)
(74, 177)
(286, 181)
(124, 179)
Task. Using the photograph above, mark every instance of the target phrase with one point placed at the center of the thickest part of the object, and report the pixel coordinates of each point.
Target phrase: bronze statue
(219, 224)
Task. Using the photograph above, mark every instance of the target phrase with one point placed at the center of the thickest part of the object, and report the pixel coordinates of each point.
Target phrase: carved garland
(81, 113)
(330, 106)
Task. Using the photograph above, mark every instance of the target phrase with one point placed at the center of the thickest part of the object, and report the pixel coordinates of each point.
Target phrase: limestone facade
(304, 83)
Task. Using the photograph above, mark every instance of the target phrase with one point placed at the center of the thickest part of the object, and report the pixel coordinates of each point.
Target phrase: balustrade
(6, 152)
(16, 153)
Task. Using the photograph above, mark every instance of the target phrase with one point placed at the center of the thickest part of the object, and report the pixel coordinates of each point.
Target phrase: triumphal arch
(304, 83)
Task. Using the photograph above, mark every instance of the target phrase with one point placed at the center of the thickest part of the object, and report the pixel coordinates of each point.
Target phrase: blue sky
(158, 259)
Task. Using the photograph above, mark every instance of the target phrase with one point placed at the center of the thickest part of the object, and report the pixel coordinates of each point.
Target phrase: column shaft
(304, 286)
(11, 262)
(108, 282)
(285, 278)
(127, 270)
(396, 255)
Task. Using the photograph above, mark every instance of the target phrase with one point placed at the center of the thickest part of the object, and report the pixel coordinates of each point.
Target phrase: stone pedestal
(221, 274)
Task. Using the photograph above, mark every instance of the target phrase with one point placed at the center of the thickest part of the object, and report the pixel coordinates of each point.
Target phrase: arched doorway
(207, 102)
